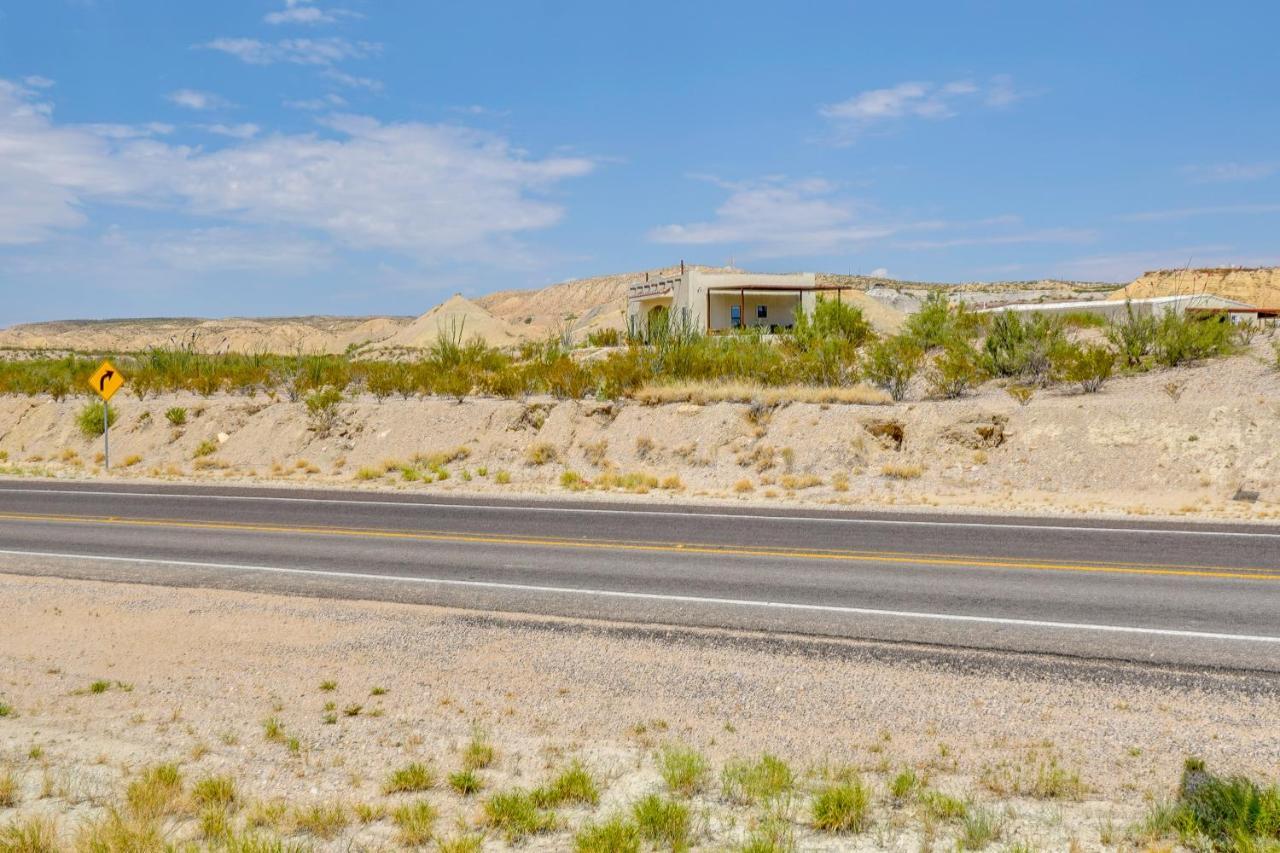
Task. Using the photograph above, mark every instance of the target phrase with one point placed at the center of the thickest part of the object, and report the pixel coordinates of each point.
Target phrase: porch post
(742, 308)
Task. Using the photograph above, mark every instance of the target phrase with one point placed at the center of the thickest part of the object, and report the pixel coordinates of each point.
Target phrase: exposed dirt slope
(1260, 287)
(1170, 442)
(456, 315)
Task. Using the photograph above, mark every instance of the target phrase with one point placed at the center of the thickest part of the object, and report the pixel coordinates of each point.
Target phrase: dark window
(762, 311)
(735, 315)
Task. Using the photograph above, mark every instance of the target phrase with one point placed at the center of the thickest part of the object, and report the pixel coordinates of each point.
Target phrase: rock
(223, 438)
(978, 432)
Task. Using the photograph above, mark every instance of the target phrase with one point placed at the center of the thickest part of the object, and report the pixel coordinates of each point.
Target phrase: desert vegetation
(832, 355)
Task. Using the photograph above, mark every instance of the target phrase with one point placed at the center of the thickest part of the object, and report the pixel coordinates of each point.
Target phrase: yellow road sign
(106, 381)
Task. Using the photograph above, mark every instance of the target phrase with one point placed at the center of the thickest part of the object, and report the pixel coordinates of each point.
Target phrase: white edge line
(666, 597)
(902, 522)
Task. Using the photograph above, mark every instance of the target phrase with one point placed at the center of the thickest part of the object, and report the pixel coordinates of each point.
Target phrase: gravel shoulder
(191, 675)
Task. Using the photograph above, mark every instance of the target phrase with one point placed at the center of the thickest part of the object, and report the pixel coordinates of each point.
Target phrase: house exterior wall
(780, 307)
(688, 297)
(1117, 310)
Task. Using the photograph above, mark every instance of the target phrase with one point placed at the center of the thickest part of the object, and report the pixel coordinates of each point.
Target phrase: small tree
(1090, 365)
(892, 362)
(1134, 336)
(955, 370)
(322, 409)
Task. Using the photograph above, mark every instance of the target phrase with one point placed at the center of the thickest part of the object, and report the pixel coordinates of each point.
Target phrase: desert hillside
(1259, 286)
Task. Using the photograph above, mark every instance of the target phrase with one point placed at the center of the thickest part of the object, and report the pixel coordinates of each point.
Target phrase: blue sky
(351, 156)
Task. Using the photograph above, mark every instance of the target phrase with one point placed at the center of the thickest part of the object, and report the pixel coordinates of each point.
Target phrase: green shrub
(1180, 338)
(574, 784)
(516, 815)
(1089, 365)
(1134, 336)
(683, 769)
(414, 776)
(955, 370)
(1022, 348)
(664, 823)
(208, 447)
(322, 409)
(604, 338)
(466, 782)
(614, 835)
(939, 321)
(842, 807)
(89, 420)
(980, 828)
(177, 416)
(1223, 813)
(752, 782)
(891, 363)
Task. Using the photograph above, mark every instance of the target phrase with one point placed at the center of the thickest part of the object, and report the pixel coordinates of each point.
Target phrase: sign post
(105, 382)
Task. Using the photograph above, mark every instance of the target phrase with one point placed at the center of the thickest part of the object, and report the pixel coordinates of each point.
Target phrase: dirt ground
(1188, 442)
(1056, 754)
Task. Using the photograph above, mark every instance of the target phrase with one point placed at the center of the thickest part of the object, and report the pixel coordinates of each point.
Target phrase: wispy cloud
(777, 217)
(352, 81)
(247, 130)
(1218, 173)
(1211, 210)
(918, 100)
(299, 51)
(194, 99)
(424, 191)
(328, 102)
(35, 81)
(305, 12)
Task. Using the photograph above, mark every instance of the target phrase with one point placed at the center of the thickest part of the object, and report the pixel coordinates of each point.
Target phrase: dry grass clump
(156, 792)
(517, 815)
(702, 393)
(414, 776)
(902, 471)
(750, 782)
(795, 482)
(683, 769)
(415, 823)
(743, 486)
(841, 807)
(33, 835)
(540, 453)
(323, 820)
(1039, 777)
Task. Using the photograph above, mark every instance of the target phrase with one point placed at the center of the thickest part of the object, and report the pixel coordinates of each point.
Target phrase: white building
(1157, 306)
(710, 300)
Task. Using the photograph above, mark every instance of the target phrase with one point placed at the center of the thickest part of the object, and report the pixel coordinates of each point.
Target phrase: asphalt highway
(1181, 594)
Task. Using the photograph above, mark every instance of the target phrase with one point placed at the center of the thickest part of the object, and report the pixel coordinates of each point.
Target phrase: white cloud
(328, 102)
(778, 217)
(304, 12)
(194, 99)
(880, 272)
(1212, 210)
(300, 51)
(428, 191)
(352, 81)
(35, 81)
(1216, 173)
(246, 130)
(918, 99)
(129, 131)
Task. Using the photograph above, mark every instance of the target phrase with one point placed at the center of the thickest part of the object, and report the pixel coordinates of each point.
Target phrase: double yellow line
(890, 557)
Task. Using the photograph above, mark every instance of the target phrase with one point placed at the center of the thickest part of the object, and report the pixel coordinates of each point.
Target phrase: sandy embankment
(1172, 442)
(192, 674)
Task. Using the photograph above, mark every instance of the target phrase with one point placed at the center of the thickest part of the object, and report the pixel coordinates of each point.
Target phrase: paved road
(1144, 591)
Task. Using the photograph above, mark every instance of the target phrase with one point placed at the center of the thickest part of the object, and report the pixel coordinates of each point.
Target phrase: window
(735, 316)
(762, 312)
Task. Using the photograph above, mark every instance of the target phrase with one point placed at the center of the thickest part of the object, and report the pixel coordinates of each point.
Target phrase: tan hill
(1258, 286)
(457, 315)
(235, 334)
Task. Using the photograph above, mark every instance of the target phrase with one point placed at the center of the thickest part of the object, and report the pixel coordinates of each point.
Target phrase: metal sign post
(105, 382)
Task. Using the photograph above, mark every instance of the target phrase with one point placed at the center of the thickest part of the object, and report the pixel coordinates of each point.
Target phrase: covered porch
(769, 308)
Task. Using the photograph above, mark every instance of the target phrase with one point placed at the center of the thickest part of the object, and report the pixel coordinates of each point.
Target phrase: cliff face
(1259, 287)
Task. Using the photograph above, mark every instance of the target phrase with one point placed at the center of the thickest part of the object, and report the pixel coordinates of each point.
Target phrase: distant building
(1158, 306)
(720, 300)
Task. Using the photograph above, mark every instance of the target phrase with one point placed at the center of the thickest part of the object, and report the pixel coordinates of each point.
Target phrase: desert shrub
(979, 829)
(322, 409)
(35, 834)
(1222, 813)
(1022, 348)
(683, 769)
(415, 823)
(1244, 333)
(90, 419)
(1275, 345)
(177, 416)
(939, 321)
(1090, 365)
(604, 337)
(1133, 336)
(665, 823)
(541, 453)
(574, 784)
(614, 835)
(155, 792)
(516, 815)
(892, 362)
(955, 370)
(751, 782)
(414, 776)
(842, 807)
(1180, 338)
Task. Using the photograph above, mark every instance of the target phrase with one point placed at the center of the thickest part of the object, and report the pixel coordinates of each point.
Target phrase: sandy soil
(191, 675)
(1184, 442)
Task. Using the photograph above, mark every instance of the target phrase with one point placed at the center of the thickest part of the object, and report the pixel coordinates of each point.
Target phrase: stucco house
(713, 300)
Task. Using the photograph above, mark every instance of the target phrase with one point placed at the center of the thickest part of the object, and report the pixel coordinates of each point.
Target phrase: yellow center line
(892, 557)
